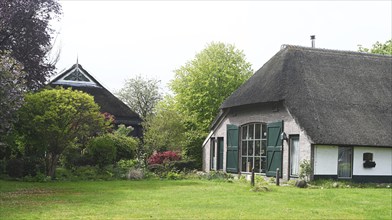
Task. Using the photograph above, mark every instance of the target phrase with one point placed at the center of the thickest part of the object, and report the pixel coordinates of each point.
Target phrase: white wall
(325, 160)
(266, 114)
(382, 157)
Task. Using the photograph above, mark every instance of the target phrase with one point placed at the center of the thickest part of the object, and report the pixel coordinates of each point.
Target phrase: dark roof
(105, 99)
(337, 97)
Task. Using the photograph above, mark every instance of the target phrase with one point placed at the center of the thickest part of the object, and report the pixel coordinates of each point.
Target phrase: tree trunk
(51, 164)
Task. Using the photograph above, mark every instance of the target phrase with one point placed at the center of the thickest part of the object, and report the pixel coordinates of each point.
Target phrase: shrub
(183, 165)
(102, 149)
(125, 146)
(305, 170)
(86, 173)
(158, 169)
(123, 167)
(14, 168)
(135, 174)
(163, 157)
(174, 176)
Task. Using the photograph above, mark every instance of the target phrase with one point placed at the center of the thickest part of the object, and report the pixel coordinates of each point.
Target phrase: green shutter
(274, 148)
(232, 149)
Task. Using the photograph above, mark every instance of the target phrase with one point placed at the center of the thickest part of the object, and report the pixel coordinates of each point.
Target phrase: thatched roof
(83, 81)
(337, 97)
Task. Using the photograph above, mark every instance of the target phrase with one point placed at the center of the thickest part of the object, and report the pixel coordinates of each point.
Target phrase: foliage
(201, 85)
(123, 131)
(305, 170)
(135, 174)
(163, 157)
(14, 168)
(103, 150)
(141, 95)
(378, 48)
(12, 88)
(53, 119)
(218, 175)
(26, 33)
(183, 165)
(165, 130)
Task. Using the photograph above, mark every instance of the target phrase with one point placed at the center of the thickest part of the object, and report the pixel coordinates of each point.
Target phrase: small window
(367, 156)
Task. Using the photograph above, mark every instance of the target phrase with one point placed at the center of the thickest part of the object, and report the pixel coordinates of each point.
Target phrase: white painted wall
(325, 160)
(382, 157)
(266, 114)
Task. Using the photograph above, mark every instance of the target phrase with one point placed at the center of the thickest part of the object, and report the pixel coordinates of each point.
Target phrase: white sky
(118, 40)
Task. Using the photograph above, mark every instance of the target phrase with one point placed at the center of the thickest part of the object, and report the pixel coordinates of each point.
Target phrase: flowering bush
(163, 157)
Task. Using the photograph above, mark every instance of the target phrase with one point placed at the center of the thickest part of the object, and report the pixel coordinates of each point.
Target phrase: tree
(52, 120)
(25, 32)
(141, 95)
(202, 84)
(12, 88)
(378, 48)
(165, 130)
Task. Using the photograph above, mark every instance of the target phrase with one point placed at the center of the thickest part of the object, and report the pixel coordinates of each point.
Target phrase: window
(212, 154)
(345, 155)
(294, 155)
(253, 147)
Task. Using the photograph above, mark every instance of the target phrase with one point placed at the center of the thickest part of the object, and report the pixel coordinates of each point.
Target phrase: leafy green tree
(12, 88)
(26, 33)
(165, 130)
(141, 95)
(378, 48)
(202, 84)
(52, 120)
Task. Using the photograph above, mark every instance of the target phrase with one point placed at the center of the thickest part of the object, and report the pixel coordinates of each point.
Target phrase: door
(232, 149)
(274, 148)
(220, 153)
(345, 162)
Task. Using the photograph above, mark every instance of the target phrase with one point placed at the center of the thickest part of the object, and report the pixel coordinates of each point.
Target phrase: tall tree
(25, 32)
(378, 48)
(12, 88)
(52, 120)
(165, 130)
(202, 84)
(141, 95)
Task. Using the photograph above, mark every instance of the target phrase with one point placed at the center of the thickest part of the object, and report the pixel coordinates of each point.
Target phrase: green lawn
(186, 199)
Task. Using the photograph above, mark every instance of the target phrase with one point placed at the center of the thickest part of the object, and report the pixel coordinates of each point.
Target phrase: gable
(75, 76)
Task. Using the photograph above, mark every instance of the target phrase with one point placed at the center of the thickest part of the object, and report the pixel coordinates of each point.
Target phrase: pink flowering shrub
(163, 157)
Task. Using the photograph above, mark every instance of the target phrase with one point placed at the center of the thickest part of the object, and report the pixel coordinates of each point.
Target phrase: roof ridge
(289, 46)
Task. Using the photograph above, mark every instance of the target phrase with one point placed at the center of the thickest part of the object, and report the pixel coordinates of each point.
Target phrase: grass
(187, 199)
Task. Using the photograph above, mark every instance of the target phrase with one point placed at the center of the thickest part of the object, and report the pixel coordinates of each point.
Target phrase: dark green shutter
(232, 149)
(274, 148)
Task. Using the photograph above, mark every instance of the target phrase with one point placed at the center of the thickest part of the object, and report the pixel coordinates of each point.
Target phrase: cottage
(332, 108)
(79, 79)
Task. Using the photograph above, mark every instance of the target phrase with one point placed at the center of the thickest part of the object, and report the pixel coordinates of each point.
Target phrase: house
(332, 108)
(79, 79)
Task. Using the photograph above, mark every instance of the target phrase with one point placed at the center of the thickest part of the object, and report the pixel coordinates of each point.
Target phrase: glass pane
(344, 162)
(244, 130)
(257, 164)
(243, 164)
(250, 148)
(250, 164)
(263, 147)
(251, 130)
(262, 165)
(264, 131)
(257, 148)
(258, 131)
(243, 147)
(294, 156)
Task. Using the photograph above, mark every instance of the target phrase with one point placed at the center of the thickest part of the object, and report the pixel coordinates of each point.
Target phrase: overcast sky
(118, 40)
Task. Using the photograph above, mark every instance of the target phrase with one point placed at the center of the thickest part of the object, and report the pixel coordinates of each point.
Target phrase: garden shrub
(14, 168)
(163, 157)
(174, 175)
(86, 173)
(123, 167)
(305, 170)
(158, 169)
(219, 175)
(102, 149)
(125, 146)
(183, 165)
(135, 174)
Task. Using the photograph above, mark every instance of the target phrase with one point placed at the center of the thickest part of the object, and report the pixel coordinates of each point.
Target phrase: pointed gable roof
(338, 97)
(78, 78)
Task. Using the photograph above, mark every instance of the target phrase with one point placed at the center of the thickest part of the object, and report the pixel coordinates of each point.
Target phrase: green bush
(102, 149)
(184, 165)
(123, 167)
(125, 146)
(86, 173)
(15, 168)
(174, 175)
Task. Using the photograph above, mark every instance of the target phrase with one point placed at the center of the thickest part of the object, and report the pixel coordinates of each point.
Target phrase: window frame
(291, 138)
(255, 140)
